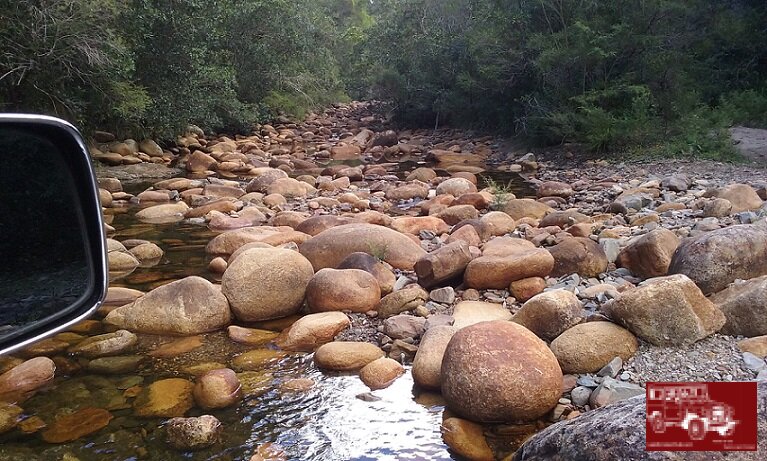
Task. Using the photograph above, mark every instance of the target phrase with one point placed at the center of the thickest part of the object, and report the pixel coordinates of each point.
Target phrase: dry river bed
(334, 289)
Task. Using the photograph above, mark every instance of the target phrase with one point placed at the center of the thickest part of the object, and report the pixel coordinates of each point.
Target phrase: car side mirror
(53, 270)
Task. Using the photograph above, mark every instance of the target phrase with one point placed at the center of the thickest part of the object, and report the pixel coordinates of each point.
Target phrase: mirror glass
(45, 267)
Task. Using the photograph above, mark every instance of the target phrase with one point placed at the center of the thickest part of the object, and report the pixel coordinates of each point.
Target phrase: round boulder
(217, 389)
(578, 255)
(588, 347)
(266, 283)
(456, 187)
(550, 313)
(342, 290)
(500, 372)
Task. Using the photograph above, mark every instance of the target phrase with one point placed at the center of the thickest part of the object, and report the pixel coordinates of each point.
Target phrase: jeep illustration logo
(701, 416)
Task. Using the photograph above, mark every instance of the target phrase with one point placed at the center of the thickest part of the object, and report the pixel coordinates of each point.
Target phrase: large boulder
(266, 283)
(427, 365)
(311, 331)
(588, 347)
(550, 313)
(578, 255)
(717, 258)
(666, 311)
(499, 372)
(617, 431)
(745, 306)
(329, 248)
(188, 306)
(342, 290)
(649, 255)
(742, 197)
(499, 271)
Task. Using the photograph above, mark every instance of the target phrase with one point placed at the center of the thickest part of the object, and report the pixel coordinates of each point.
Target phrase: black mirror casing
(52, 240)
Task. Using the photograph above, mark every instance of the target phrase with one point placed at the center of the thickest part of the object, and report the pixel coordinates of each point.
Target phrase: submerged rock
(73, 426)
(20, 382)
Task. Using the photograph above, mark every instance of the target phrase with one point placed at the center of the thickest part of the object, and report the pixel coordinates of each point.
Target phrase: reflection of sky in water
(331, 423)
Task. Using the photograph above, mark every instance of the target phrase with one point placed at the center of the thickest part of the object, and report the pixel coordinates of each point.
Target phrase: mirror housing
(53, 265)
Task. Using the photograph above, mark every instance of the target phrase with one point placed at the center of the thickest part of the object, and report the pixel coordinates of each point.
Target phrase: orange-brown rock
(499, 271)
(381, 373)
(650, 255)
(587, 347)
(578, 255)
(342, 290)
(525, 289)
(76, 425)
(443, 264)
(550, 313)
(346, 355)
(313, 330)
(500, 372)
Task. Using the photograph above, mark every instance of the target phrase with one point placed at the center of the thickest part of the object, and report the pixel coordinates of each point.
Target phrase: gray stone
(611, 391)
(617, 432)
(580, 395)
(444, 295)
(753, 362)
(612, 368)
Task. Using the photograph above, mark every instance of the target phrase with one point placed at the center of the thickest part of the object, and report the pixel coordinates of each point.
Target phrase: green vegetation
(659, 76)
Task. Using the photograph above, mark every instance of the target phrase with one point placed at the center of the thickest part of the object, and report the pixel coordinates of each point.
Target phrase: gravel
(716, 358)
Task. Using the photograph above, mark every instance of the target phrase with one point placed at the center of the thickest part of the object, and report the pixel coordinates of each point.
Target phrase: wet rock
(526, 208)
(297, 385)
(467, 439)
(165, 213)
(744, 304)
(332, 246)
(263, 284)
(372, 265)
(650, 255)
(166, 398)
(250, 336)
(717, 258)
(381, 373)
(9, 416)
(666, 311)
(621, 435)
(313, 330)
(188, 306)
(404, 326)
(498, 272)
(487, 374)
(217, 389)
(193, 433)
(105, 345)
(341, 290)
(73, 426)
(146, 252)
(177, 347)
(427, 364)
(116, 365)
(346, 355)
(742, 197)
(468, 313)
(443, 264)
(402, 300)
(578, 255)
(588, 347)
(257, 359)
(550, 313)
(121, 261)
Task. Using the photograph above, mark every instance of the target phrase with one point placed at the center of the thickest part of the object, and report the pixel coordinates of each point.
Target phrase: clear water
(327, 422)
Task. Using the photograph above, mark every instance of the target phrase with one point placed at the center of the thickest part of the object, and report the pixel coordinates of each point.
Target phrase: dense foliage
(608, 74)
(664, 74)
(150, 67)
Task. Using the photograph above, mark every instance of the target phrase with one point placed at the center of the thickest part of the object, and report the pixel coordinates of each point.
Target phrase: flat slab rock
(617, 431)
